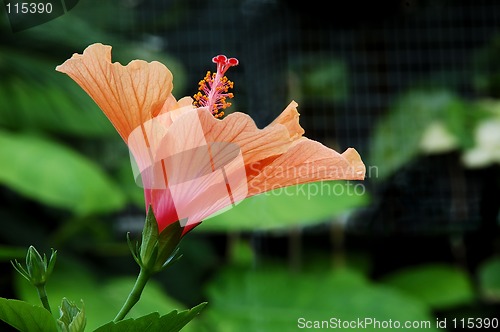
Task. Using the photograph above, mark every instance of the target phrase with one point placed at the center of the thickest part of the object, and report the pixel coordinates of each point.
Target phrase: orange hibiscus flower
(192, 161)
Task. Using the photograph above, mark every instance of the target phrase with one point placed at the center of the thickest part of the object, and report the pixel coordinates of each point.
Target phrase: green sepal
(156, 250)
(20, 269)
(171, 260)
(168, 242)
(149, 243)
(134, 249)
(52, 261)
(72, 318)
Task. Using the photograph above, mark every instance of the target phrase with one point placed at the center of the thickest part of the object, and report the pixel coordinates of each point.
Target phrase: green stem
(135, 294)
(43, 297)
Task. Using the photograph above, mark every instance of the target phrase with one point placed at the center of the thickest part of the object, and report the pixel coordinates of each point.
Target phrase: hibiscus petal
(172, 104)
(239, 128)
(163, 206)
(128, 95)
(290, 119)
(306, 161)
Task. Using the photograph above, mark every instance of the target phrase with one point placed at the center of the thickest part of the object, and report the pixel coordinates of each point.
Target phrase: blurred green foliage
(278, 298)
(433, 118)
(486, 77)
(37, 98)
(55, 175)
(489, 279)
(438, 286)
(408, 121)
(318, 77)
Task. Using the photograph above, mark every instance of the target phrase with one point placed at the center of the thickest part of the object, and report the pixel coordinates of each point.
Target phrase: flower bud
(37, 269)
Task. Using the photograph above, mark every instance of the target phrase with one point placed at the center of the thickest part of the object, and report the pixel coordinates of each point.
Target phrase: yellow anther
(213, 88)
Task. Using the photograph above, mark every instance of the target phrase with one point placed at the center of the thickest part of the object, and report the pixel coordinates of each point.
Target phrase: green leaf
(299, 205)
(322, 77)
(8, 253)
(440, 286)
(26, 317)
(489, 279)
(459, 121)
(274, 299)
(55, 175)
(242, 253)
(125, 178)
(35, 96)
(172, 322)
(396, 142)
